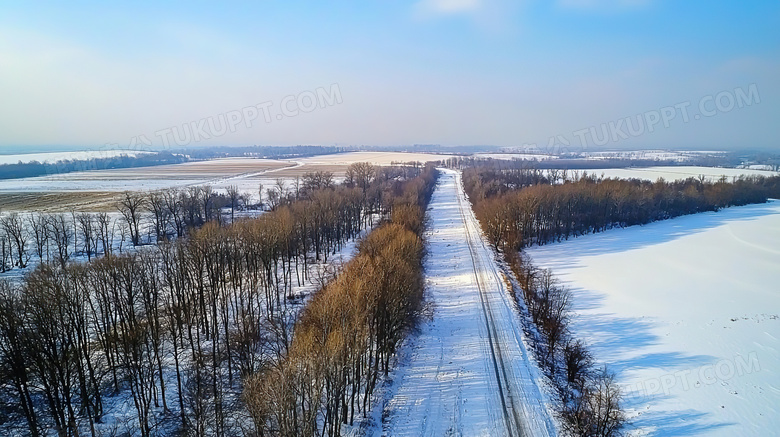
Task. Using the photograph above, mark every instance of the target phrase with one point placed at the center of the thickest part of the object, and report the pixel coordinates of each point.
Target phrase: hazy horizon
(614, 74)
(25, 150)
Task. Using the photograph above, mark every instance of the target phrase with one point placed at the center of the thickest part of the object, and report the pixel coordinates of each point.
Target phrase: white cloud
(495, 17)
(603, 4)
(447, 7)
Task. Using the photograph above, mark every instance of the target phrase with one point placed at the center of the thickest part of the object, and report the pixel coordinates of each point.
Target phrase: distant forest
(576, 162)
(268, 152)
(35, 168)
(520, 207)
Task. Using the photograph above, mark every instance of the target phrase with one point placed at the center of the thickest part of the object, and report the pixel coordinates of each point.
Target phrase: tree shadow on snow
(637, 237)
(679, 423)
(613, 338)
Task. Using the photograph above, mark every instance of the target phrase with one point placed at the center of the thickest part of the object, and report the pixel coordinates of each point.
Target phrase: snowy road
(467, 372)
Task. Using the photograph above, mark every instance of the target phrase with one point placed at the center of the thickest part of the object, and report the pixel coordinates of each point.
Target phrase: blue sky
(452, 72)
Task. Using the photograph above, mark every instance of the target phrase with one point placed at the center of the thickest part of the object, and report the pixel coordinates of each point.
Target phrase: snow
(655, 155)
(671, 173)
(120, 415)
(447, 383)
(511, 156)
(54, 157)
(376, 158)
(218, 172)
(760, 167)
(49, 184)
(686, 312)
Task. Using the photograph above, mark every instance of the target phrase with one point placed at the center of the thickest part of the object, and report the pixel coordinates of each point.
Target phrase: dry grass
(91, 201)
(98, 190)
(338, 163)
(190, 170)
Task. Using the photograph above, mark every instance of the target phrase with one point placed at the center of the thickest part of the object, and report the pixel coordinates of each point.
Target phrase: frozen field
(147, 178)
(214, 171)
(53, 157)
(655, 155)
(511, 156)
(93, 189)
(378, 158)
(671, 173)
(336, 163)
(686, 311)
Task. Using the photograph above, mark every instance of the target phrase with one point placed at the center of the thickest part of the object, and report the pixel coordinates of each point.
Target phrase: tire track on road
(514, 424)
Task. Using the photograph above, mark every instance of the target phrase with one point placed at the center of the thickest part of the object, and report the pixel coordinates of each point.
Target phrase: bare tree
(235, 196)
(39, 224)
(297, 187)
(160, 215)
(274, 198)
(174, 202)
(105, 232)
(317, 180)
(47, 300)
(86, 229)
(281, 187)
(62, 234)
(360, 174)
(6, 252)
(14, 350)
(14, 228)
(596, 410)
(260, 194)
(131, 207)
(577, 360)
(207, 202)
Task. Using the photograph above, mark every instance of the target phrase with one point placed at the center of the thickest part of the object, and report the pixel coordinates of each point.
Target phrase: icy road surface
(467, 372)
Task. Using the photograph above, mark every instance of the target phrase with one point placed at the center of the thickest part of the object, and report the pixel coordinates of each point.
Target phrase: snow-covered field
(377, 158)
(217, 172)
(148, 178)
(511, 156)
(671, 173)
(53, 157)
(655, 155)
(687, 311)
(467, 371)
(245, 173)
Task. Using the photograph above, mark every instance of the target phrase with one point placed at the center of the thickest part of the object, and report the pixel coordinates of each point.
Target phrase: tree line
(520, 207)
(590, 400)
(173, 330)
(349, 330)
(267, 152)
(142, 218)
(575, 161)
(36, 168)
